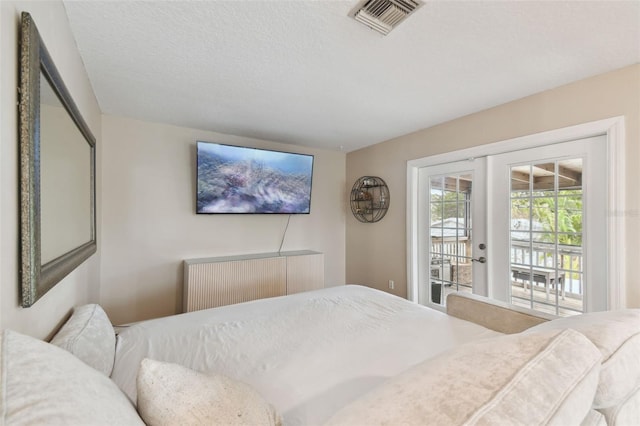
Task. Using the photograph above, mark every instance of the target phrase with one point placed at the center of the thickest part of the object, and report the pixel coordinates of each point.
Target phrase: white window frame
(613, 128)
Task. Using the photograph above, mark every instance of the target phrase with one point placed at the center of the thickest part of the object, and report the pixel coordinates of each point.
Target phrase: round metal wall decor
(369, 199)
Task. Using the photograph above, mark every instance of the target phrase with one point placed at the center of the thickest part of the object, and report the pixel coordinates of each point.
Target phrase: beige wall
(376, 252)
(82, 285)
(149, 223)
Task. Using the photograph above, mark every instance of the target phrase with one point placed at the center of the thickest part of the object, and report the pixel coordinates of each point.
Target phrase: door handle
(480, 260)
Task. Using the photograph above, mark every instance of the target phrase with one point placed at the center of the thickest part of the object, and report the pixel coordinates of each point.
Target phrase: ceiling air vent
(384, 15)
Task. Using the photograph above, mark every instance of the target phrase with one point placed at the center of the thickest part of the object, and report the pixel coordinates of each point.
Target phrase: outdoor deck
(521, 297)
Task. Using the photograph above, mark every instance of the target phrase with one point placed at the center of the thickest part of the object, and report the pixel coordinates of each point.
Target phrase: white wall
(149, 225)
(82, 285)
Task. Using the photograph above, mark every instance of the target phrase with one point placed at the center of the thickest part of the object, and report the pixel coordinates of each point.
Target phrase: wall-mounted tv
(238, 179)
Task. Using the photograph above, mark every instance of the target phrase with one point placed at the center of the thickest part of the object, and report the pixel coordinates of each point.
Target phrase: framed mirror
(57, 173)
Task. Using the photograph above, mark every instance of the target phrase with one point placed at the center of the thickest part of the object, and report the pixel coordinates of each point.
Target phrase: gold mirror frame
(35, 62)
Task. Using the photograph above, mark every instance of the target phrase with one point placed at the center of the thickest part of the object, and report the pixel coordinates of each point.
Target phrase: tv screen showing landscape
(236, 179)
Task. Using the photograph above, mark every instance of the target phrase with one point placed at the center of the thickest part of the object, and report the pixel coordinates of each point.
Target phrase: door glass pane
(520, 180)
(543, 179)
(450, 235)
(437, 186)
(546, 236)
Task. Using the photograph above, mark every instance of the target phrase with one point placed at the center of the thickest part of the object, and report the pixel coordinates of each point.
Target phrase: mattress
(308, 354)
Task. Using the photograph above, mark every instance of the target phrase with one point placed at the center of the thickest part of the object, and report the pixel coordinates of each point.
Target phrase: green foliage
(568, 212)
(447, 205)
(450, 204)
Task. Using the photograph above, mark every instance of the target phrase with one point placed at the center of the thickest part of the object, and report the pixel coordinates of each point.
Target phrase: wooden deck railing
(541, 255)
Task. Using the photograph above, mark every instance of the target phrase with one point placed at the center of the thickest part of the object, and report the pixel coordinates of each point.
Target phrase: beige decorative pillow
(170, 394)
(537, 378)
(89, 335)
(42, 384)
(617, 335)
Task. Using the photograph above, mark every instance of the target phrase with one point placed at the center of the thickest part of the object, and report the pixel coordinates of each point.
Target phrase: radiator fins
(384, 15)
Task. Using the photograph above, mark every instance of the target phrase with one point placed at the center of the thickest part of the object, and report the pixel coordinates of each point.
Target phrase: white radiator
(219, 281)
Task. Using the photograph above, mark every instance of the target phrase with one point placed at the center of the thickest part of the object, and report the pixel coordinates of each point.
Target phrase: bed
(340, 356)
(309, 354)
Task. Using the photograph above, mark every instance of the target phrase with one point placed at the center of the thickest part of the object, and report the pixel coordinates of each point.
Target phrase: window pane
(450, 231)
(570, 174)
(520, 214)
(546, 236)
(544, 177)
(436, 213)
(520, 179)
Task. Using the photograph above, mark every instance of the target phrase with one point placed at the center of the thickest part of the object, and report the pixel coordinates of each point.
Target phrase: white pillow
(627, 413)
(170, 394)
(617, 335)
(594, 418)
(42, 384)
(89, 335)
(538, 378)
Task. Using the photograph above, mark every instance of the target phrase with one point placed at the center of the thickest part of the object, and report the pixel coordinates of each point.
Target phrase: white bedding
(309, 354)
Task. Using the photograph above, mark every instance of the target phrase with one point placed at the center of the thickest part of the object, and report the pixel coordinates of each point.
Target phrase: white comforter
(309, 354)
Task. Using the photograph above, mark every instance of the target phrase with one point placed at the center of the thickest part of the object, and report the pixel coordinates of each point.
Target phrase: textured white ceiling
(303, 72)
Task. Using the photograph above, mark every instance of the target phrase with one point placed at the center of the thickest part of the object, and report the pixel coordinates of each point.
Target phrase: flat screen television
(238, 179)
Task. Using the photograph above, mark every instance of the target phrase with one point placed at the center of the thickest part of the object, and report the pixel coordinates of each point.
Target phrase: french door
(453, 244)
(548, 227)
(527, 227)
